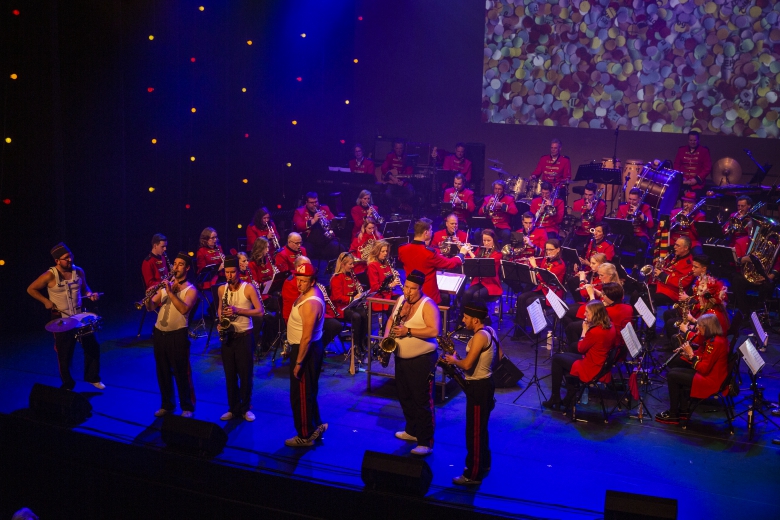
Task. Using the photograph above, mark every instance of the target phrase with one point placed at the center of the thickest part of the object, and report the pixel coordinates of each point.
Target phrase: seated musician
(694, 162)
(345, 287)
(611, 294)
(679, 229)
(155, 266)
(481, 289)
(263, 270)
(313, 221)
(244, 274)
(642, 218)
(595, 342)
(555, 168)
(709, 295)
(458, 162)
(590, 289)
(531, 244)
(209, 253)
(586, 276)
(592, 213)
(361, 163)
(263, 226)
(400, 191)
(262, 328)
(363, 242)
(548, 213)
(673, 274)
(599, 243)
(364, 208)
(448, 240)
(750, 279)
(739, 226)
(285, 258)
(379, 269)
(552, 262)
(500, 208)
(461, 198)
(697, 373)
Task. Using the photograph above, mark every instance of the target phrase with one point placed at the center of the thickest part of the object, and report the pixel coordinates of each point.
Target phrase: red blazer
(377, 272)
(463, 166)
(366, 166)
(285, 259)
(558, 268)
(696, 164)
(253, 233)
(538, 238)
(343, 288)
(688, 231)
(154, 268)
(358, 242)
(598, 216)
(358, 213)
(604, 246)
(595, 346)
(441, 234)
(262, 273)
(620, 314)
(550, 223)
(392, 161)
(466, 207)
(553, 171)
(712, 366)
(596, 283)
(416, 255)
(206, 256)
(640, 231)
(301, 217)
(493, 283)
(669, 281)
(504, 209)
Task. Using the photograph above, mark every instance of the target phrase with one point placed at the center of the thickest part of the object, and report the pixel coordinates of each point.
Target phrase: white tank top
(413, 347)
(483, 368)
(66, 294)
(295, 323)
(169, 318)
(238, 299)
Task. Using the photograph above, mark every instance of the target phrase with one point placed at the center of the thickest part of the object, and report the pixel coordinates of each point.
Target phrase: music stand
(723, 258)
(514, 272)
(549, 279)
(539, 322)
(597, 173)
(570, 256)
(621, 228)
(708, 230)
(481, 223)
(398, 228)
(479, 267)
(207, 273)
(395, 243)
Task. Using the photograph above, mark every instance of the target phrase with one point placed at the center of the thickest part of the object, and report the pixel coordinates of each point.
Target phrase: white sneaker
(226, 416)
(249, 417)
(99, 385)
(187, 414)
(405, 436)
(422, 451)
(160, 412)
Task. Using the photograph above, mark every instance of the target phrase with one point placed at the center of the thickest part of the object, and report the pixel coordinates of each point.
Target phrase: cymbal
(727, 168)
(500, 171)
(62, 325)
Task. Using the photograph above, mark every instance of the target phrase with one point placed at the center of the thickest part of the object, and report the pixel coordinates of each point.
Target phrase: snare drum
(663, 187)
(534, 187)
(632, 170)
(89, 322)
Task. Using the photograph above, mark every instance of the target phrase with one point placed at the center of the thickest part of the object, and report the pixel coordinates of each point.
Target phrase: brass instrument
(448, 347)
(151, 291)
(764, 247)
(547, 209)
(365, 251)
(589, 215)
(325, 223)
(659, 263)
(737, 224)
(272, 238)
(684, 220)
(225, 322)
(371, 212)
(388, 345)
(453, 197)
(491, 209)
(637, 214)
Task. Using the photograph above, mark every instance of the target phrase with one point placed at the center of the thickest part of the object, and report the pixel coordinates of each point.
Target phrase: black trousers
(475, 293)
(503, 235)
(745, 303)
(670, 317)
(172, 362)
(238, 364)
(65, 345)
(330, 330)
(660, 299)
(561, 365)
(414, 381)
(573, 334)
(679, 381)
(523, 301)
(639, 245)
(303, 391)
(359, 320)
(573, 284)
(479, 403)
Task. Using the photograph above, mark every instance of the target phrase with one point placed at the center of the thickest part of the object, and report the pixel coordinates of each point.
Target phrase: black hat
(476, 310)
(184, 256)
(59, 250)
(231, 261)
(416, 276)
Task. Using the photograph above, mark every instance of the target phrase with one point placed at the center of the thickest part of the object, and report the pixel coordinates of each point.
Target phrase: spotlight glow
(249, 42)
(342, 141)
(245, 181)
(154, 141)
(193, 110)
(192, 59)
(190, 253)
(151, 37)
(7, 139)
(243, 89)
(192, 158)
(14, 76)
(289, 164)
(151, 189)
(150, 89)
(294, 122)
(299, 78)
(303, 35)
(240, 226)
(355, 60)
(187, 206)
(2, 262)
(201, 8)
(6, 201)
(246, 135)
(346, 102)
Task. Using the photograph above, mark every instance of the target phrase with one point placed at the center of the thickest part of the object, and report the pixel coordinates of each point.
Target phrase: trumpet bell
(646, 270)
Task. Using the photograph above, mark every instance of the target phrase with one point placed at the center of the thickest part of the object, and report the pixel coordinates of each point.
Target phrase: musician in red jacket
(552, 262)
(285, 259)
(361, 163)
(611, 295)
(679, 229)
(209, 253)
(707, 368)
(446, 240)
(643, 223)
(554, 168)
(597, 339)
(694, 162)
(345, 287)
(673, 273)
(499, 208)
(550, 223)
(592, 212)
(480, 289)
(461, 198)
(396, 172)
(379, 269)
(313, 222)
(458, 162)
(599, 244)
(263, 226)
(155, 266)
(364, 208)
(363, 242)
(418, 256)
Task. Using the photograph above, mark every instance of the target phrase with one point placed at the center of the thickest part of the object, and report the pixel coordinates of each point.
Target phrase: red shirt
(206, 256)
(556, 267)
(538, 238)
(261, 273)
(711, 367)
(302, 216)
(553, 223)
(463, 166)
(377, 273)
(492, 283)
(393, 161)
(596, 283)
(358, 216)
(595, 346)
(554, 171)
(154, 268)
(505, 208)
(694, 164)
(253, 233)
(463, 209)
(686, 231)
(669, 281)
(620, 315)
(343, 289)
(598, 216)
(285, 259)
(366, 166)
(641, 230)
(604, 246)
(416, 255)
(746, 231)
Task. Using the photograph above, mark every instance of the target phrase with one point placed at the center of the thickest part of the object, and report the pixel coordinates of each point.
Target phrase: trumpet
(371, 212)
(325, 223)
(491, 209)
(151, 291)
(272, 238)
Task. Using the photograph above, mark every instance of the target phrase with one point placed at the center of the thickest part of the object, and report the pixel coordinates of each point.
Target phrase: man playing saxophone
(673, 274)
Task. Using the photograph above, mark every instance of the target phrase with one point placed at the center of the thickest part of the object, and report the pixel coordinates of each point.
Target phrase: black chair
(727, 401)
(579, 387)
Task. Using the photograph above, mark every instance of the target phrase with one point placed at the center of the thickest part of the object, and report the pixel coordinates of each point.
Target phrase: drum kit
(84, 323)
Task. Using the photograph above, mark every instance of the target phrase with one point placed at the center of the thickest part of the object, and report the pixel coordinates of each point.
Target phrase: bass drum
(516, 187)
(533, 188)
(632, 170)
(663, 189)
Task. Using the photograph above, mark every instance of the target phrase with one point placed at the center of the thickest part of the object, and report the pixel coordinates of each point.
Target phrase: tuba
(763, 249)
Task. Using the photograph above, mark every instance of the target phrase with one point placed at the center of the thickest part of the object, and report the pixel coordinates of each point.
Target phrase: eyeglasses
(296, 243)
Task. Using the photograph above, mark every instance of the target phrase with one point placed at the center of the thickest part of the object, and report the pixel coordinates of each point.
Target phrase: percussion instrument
(516, 187)
(663, 187)
(534, 187)
(88, 323)
(726, 171)
(62, 324)
(632, 170)
(607, 162)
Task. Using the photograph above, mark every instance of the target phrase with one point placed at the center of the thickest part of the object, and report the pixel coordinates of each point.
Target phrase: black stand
(643, 380)
(479, 267)
(395, 243)
(755, 407)
(198, 329)
(398, 228)
(619, 229)
(535, 380)
(520, 274)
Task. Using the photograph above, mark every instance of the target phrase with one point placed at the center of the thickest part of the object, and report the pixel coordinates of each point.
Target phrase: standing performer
(171, 339)
(643, 222)
(304, 333)
(554, 168)
(345, 287)
(361, 163)
(263, 226)
(239, 302)
(364, 208)
(286, 257)
(481, 289)
(209, 253)
(673, 274)
(481, 356)
(461, 198)
(418, 323)
(553, 263)
(399, 190)
(379, 269)
(155, 265)
(447, 240)
(548, 213)
(313, 222)
(458, 162)
(499, 208)
(682, 225)
(592, 213)
(66, 284)
(694, 162)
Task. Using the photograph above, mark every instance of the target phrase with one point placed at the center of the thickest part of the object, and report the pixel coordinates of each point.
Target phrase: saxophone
(225, 322)
(448, 347)
(388, 345)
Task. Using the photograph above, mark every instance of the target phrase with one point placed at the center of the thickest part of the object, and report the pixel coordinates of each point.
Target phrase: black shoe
(667, 418)
(776, 412)
(684, 416)
(553, 404)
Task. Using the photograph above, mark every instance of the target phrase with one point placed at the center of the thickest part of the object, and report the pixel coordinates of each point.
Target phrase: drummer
(554, 168)
(694, 162)
(66, 284)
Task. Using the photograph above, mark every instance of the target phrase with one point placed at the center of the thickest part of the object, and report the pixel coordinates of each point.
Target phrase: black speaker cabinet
(619, 505)
(507, 374)
(58, 404)
(192, 435)
(396, 474)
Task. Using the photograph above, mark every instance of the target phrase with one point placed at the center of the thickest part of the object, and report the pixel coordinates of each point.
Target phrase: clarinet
(327, 299)
(256, 286)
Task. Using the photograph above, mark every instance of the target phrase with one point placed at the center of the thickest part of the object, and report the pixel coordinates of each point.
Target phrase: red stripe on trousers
(475, 461)
(304, 420)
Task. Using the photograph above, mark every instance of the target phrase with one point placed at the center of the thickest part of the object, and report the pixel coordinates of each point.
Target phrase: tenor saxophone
(225, 322)
(388, 345)
(448, 347)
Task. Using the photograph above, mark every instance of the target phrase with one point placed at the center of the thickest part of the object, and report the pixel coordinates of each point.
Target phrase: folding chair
(721, 396)
(580, 387)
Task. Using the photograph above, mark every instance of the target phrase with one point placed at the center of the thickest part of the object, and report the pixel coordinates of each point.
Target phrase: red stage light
(342, 141)
(187, 206)
(246, 135)
(16, 12)
(299, 78)
(6, 201)
(360, 18)
(192, 60)
(150, 89)
(278, 206)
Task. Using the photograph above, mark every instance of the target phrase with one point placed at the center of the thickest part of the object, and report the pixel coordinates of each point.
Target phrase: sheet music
(558, 305)
(644, 312)
(762, 335)
(752, 358)
(631, 339)
(536, 314)
(450, 282)
(267, 286)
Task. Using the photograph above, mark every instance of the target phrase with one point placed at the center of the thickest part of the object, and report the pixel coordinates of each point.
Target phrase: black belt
(170, 332)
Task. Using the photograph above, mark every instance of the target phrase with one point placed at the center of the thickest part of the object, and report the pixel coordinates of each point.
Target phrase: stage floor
(543, 466)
